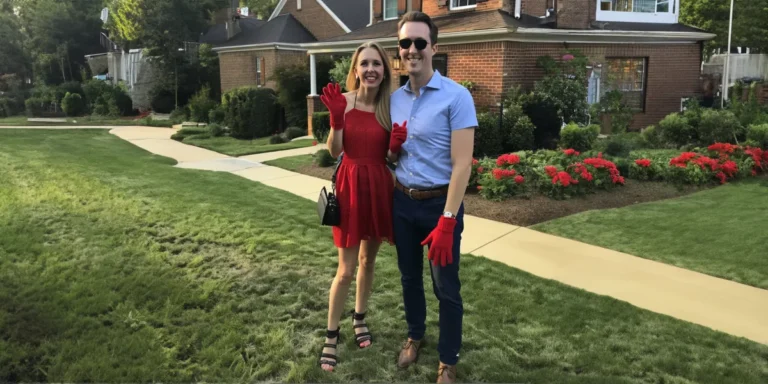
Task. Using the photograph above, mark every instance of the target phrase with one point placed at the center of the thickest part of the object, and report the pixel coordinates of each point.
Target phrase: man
(434, 166)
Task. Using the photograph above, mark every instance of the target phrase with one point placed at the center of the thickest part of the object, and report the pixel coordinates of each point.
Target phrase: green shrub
(197, 132)
(8, 107)
(652, 137)
(543, 113)
(718, 126)
(163, 101)
(324, 159)
(217, 115)
(488, 136)
(215, 130)
(251, 112)
(179, 115)
(106, 105)
(200, 106)
(340, 70)
(579, 138)
(759, 134)
(522, 136)
(321, 125)
(70, 87)
(278, 139)
(622, 144)
(35, 106)
(676, 130)
(73, 104)
(105, 99)
(294, 132)
(293, 88)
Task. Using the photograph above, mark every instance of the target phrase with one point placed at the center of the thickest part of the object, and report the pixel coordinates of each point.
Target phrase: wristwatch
(449, 215)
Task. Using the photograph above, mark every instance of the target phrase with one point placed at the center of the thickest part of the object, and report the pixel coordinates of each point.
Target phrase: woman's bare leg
(367, 258)
(339, 292)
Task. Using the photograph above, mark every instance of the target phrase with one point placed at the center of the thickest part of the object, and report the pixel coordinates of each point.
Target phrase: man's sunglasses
(406, 43)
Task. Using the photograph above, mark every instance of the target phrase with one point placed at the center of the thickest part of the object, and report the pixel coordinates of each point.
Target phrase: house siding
(314, 18)
(575, 14)
(239, 68)
(535, 7)
(435, 8)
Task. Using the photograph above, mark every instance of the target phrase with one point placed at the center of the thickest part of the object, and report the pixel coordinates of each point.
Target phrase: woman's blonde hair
(382, 96)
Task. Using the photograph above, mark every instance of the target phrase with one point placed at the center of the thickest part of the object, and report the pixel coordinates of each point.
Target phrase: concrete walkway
(716, 303)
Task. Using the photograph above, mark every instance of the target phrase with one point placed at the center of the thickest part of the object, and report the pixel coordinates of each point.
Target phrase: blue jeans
(413, 220)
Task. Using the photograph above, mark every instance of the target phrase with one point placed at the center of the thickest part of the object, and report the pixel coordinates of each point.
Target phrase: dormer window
(638, 11)
(463, 4)
(390, 9)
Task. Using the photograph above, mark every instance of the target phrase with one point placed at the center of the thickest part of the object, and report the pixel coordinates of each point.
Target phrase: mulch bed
(538, 209)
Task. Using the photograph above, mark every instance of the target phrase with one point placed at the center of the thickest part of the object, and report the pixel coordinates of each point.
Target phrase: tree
(262, 9)
(12, 56)
(750, 22)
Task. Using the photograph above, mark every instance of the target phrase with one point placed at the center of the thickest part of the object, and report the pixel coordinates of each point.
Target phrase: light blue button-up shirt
(442, 107)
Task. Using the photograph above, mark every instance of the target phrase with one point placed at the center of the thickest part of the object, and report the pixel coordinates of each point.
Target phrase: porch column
(312, 76)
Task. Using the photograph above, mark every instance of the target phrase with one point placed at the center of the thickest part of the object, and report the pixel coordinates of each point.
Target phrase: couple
(431, 140)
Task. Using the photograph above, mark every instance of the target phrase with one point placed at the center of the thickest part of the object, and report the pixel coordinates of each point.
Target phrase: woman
(360, 125)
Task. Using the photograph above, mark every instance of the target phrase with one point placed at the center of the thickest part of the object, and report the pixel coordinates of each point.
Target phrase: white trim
(384, 10)
(670, 17)
(298, 5)
(518, 6)
(277, 10)
(370, 21)
(333, 15)
(312, 76)
(452, 8)
(260, 47)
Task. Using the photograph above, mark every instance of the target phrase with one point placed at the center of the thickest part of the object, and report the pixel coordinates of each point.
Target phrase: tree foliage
(750, 21)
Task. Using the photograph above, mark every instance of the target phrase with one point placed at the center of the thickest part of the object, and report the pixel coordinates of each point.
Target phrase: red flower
(721, 176)
(551, 170)
(497, 173)
(474, 161)
(645, 163)
(510, 159)
(730, 168)
(571, 152)
(564, 178)
(314, 142)
(519, 179)
(568, 57)
(479, 187)
(480, 169)
(754, 172)
(722, 148)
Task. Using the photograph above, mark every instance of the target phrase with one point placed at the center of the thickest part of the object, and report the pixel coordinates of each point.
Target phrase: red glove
(336, 104)
(441, 242)
(397, 137)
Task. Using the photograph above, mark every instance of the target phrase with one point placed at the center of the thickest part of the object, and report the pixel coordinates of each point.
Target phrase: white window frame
(670, 17)
(258, 72)
(384, 10)
(454, 7)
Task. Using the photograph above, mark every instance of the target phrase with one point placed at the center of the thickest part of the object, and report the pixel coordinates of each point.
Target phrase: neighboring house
(654, 60)
(250, 49)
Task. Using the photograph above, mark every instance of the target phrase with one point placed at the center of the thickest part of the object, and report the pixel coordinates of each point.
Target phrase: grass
(720, 231)
(116, 266)
(292, 163)
(234, 147)
(86, 120)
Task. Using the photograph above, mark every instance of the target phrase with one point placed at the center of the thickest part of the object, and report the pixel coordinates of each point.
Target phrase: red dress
(364, 184)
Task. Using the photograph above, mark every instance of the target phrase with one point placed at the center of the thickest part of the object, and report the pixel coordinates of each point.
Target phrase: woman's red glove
(440, 242)
(336, 104)
(397, 137)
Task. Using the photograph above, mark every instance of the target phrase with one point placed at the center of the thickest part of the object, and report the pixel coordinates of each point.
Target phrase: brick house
(655, 60)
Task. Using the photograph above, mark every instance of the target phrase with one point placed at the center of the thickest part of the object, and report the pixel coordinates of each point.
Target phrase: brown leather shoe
(409, 353)
(446, 373)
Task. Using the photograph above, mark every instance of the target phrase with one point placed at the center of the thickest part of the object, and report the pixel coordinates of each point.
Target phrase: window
(653, 11)
(440, 63)
(390, 9)
(460, 4)
(260, 71)
(628, 75)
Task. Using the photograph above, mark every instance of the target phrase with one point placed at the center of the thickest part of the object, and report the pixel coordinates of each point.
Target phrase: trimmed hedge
(251, 112)
(321, 125)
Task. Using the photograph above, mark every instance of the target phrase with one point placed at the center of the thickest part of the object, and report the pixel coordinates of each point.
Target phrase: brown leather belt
(417, 194)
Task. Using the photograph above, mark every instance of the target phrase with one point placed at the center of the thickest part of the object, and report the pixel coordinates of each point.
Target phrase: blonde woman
(362, 130)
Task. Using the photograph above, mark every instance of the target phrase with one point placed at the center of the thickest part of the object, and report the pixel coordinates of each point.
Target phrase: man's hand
(440, 242)
(336, 104)
(397, 137)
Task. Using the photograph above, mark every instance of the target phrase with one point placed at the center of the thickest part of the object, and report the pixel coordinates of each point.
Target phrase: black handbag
(327, 205)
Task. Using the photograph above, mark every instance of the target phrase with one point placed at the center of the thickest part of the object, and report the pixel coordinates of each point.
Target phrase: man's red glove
(397, 137)
(441, 239)
(336, 104)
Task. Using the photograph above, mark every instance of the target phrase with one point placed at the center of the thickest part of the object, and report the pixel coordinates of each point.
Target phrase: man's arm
(462, 144)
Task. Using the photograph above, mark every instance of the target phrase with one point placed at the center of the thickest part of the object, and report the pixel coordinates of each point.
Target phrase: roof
(355, 14)
(281, 29)
(458, 22)
(642, 27)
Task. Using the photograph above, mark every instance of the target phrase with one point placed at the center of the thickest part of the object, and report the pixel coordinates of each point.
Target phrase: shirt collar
(435, 82)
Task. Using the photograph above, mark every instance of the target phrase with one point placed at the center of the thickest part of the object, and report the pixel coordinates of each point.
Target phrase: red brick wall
(535, 7)
(436, 8)
(238, 69)
(673, 71)
(575, 14)
(314, 18)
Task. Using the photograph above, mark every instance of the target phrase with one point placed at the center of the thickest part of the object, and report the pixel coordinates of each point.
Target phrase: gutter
(260, 47)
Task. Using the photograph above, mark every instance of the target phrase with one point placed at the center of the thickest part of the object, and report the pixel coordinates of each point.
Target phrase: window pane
(390, 9)
(463, 3)
(643, 6)
(628, 76)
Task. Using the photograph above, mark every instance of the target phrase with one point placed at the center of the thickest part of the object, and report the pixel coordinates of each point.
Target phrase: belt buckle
(410, 193)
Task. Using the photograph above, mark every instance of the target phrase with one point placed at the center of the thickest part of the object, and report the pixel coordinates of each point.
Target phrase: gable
(349, 15)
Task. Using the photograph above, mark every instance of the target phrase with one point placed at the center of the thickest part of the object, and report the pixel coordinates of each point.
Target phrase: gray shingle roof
(281, 29)
(355, 14)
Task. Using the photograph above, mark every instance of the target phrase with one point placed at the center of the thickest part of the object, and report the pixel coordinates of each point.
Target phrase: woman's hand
(397, 137)
(336, 104)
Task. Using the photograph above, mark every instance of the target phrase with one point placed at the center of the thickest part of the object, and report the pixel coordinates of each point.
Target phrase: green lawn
(292, 163)
(86, 120)
(234, 147)
(115, 266)
(720, 231)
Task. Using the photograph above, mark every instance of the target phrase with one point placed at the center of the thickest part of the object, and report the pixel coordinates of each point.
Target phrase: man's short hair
(419, 17)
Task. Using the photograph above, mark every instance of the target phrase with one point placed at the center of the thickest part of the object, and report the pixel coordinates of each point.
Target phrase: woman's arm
(336, 135)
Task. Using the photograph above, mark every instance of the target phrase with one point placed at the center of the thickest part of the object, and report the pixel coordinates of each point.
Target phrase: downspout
(517, 8)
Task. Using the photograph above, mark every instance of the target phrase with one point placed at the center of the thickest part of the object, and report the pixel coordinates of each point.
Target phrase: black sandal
(364, 336)
(330, 335)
